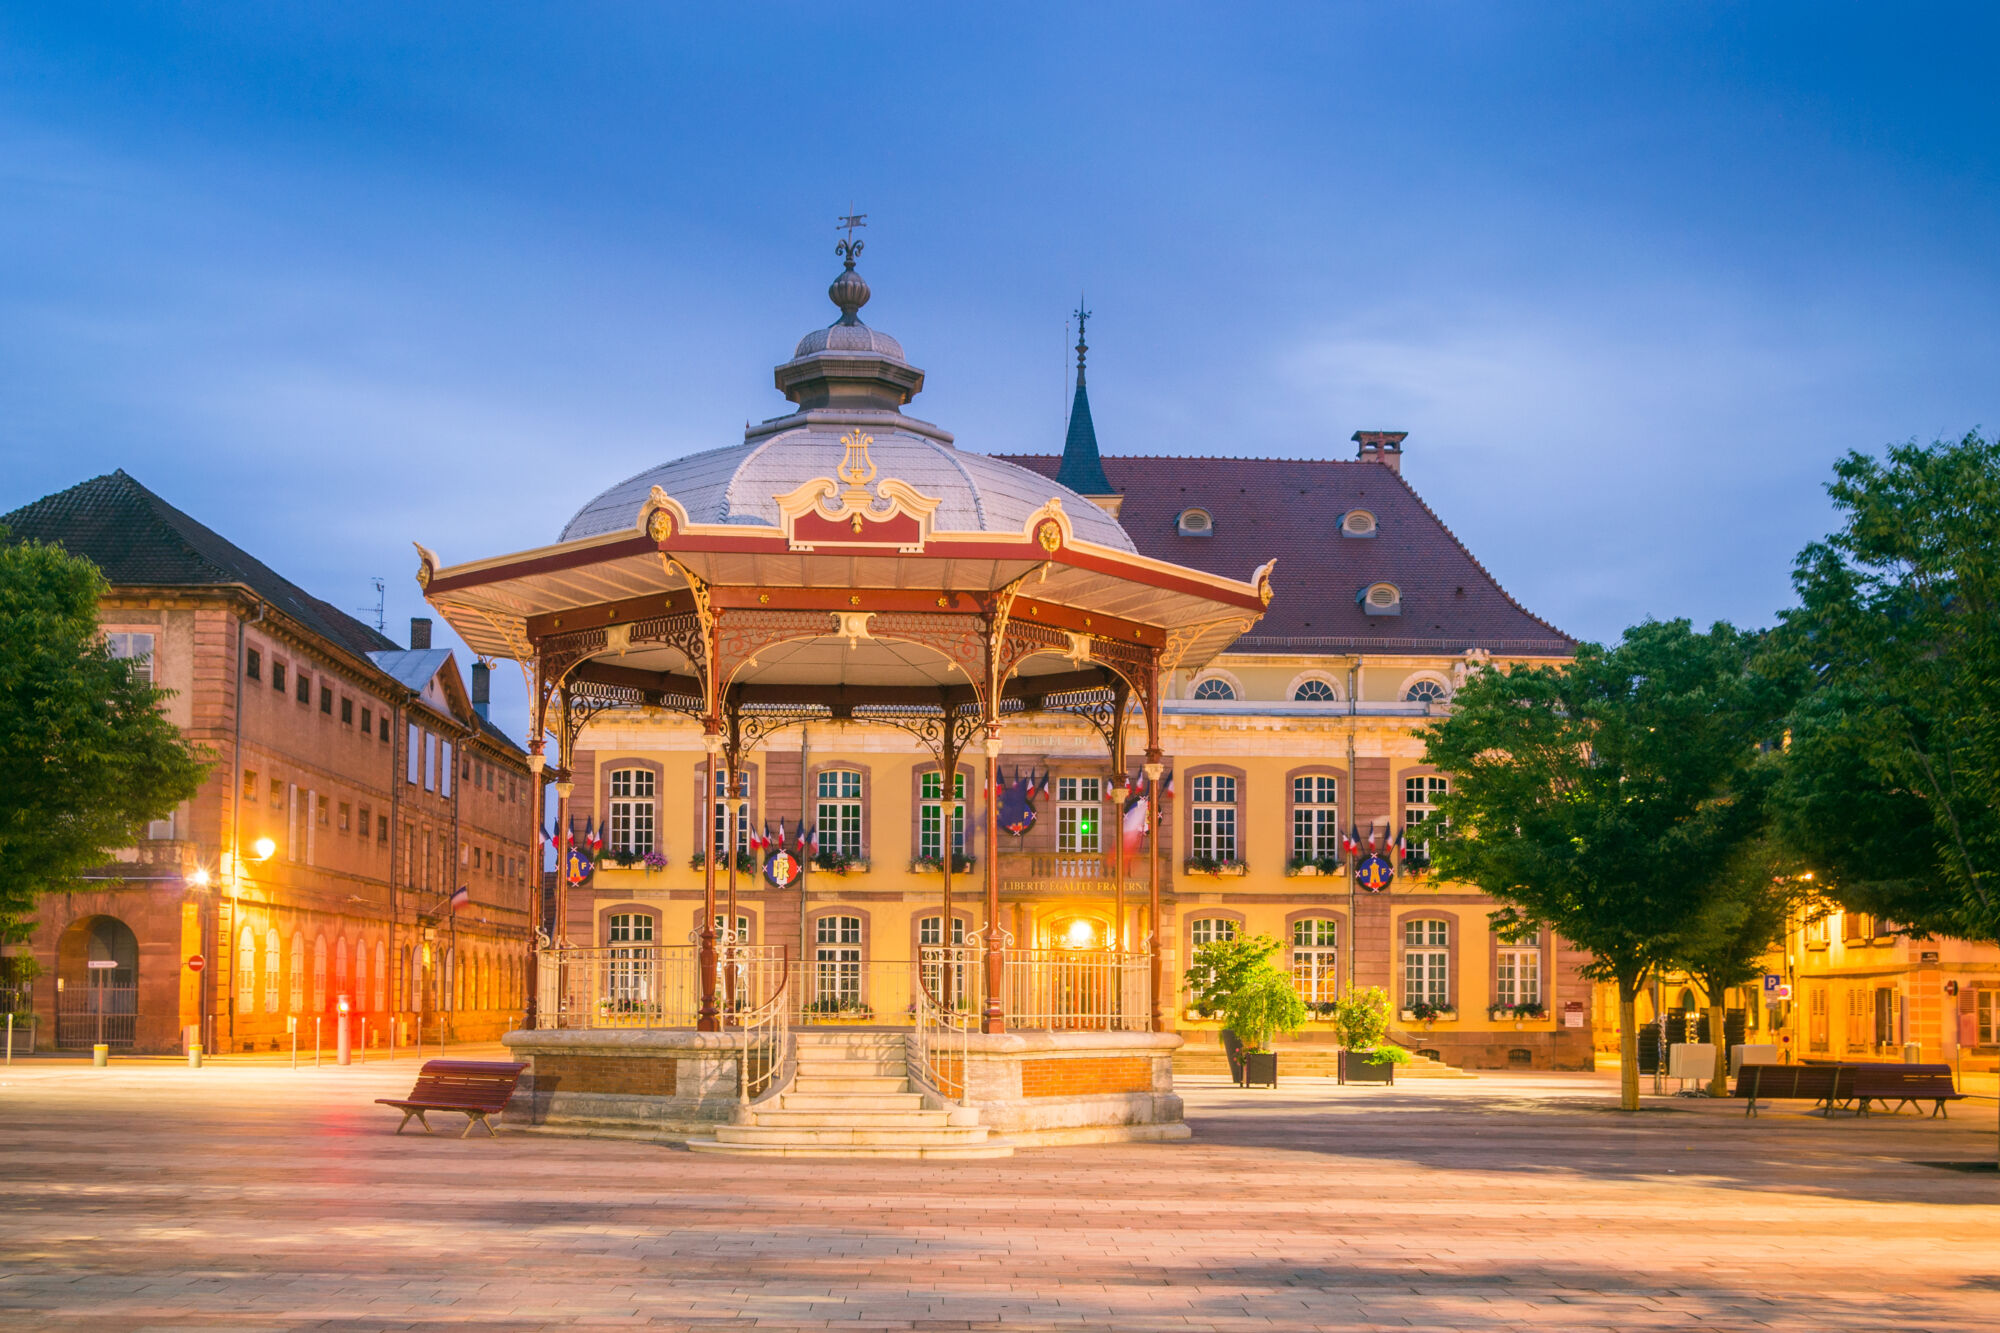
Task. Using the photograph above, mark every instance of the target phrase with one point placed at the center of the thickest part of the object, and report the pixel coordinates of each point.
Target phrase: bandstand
(846, 563)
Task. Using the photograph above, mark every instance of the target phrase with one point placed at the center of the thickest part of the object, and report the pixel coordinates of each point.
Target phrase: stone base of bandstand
(1032, 1088)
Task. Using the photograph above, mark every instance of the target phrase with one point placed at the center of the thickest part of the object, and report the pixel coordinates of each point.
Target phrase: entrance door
(97, 984)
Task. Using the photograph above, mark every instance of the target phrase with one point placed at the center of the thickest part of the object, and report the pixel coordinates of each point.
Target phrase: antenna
(381, 604)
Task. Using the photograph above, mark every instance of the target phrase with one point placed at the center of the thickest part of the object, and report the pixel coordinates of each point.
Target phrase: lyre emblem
(856, 468)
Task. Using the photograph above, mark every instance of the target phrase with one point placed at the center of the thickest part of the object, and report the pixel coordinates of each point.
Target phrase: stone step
(900, 1100)
(887, 1150)
(852, 1069)
(787, 1119)
(851, 1083)
(906, 1137)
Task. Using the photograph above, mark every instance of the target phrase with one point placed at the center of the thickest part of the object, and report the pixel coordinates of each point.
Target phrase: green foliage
(88, 755)
(1263, 1005)
(1361, 1019)
(1750, 898)
(1217, 970)
(1891, 781)
(1386, 1054)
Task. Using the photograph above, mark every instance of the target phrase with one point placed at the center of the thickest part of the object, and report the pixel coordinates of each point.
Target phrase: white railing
(765, 1047)
(651, 985)
(949, 1001)
(1087, 989)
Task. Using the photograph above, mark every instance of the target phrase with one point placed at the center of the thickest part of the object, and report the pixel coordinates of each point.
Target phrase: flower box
(1443, 1014)
(834, 863)
(934, 865)
(1203, 866)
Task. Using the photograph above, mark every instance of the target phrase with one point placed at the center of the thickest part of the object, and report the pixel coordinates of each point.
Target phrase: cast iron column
(996, 969)
(707, 1020)
(1154, 768)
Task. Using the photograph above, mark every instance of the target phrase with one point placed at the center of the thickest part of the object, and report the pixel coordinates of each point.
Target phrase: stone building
(356, 783)
(1303, 729)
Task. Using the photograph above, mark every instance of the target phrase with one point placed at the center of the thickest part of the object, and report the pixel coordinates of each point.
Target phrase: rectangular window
(346, 817)
(1211, 930)
(294, 818)
(1315, 819)
(1316, 960)
(719, 834)
(277, 791)
(382, 828)
(1214, 816)
(1079, 812)
(415, 759)
(1517, 977)
(253, 665)
(367, 721)
(1426, 963)
(323, 810)
(1818, 1036)
(839, 814)
(444, 767)
(1420, 798)
(631, 928)
(385, 728)
(836, 961)
(931, 815)
(366, 823)
(632, 810)
(249, 784)
(302, 688)
(430, 762)
(326, 699)
(1986, 1017)
(136, 649)
(346, 711)
(278, 677)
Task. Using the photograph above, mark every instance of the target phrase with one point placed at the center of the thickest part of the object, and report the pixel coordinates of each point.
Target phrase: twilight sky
(336, 278)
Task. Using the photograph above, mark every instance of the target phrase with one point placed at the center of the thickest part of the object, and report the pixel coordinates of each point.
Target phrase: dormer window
(1214, 688)
(1357, 523)
(1381, 599)
(1194, 523)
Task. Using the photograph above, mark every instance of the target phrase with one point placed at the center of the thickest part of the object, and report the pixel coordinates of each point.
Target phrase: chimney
(482, 688)
(1381, 446)
(420, 632)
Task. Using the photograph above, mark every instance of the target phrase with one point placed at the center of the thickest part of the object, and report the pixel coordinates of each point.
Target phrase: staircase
(852, 1097)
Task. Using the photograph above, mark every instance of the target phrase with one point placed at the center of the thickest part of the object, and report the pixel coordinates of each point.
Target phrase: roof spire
(1082, 469)
(850, 290)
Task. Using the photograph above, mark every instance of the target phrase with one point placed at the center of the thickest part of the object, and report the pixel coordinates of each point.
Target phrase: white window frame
(274, 964)
(718, 832)
(1212, 821)
(1427, 962)
(1420, 793)
(1214, 689)
(1315, 816)
(246, 970)
(1316, 959)
(1420, 687)
(1517, 975)
(1213, 930)
(930, 814)
(839, 815)
(634, 810)
(1079, 816)
(136, 647)
(837, 961)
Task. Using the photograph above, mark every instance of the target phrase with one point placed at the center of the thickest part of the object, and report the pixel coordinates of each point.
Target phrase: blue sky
(337, 278)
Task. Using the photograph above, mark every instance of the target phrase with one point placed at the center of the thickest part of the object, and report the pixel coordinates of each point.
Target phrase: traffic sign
(196, 962)
(101, 963)
(1778, 993)
(1773, 980)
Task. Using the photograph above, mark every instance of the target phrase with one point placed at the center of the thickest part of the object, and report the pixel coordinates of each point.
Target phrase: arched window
(298, 971)
(1425, 692)
(319, 973)
(361, 976)
(1381, 599)
(1357, 523)
(1314, 692)
(273, 968)
(381, 977)
(1211, 930)
(1316, 959)
(1194, 523)
(246, 971)
(839, 813)
(632, 810)
(340, 967)
(1215, 687)
(1427, 963)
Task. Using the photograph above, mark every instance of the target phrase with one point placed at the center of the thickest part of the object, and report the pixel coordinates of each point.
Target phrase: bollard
(343, 1042)
(194, 1055)
(364, 1041)
(10, 1038)
(100, 1055)
(316, 1022)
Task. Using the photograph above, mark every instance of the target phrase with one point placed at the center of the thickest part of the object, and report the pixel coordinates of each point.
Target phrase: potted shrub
(839, 863)
(1361, 1020)
(1262, 1006)
(1309, 866)
(934, 865)
(745, 862)
(1215, 973)
(624, 858)
(1209, 865)
(1423, 1011)
(652, 861)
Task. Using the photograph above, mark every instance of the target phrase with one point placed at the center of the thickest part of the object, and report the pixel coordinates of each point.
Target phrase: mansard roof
(1292, 508)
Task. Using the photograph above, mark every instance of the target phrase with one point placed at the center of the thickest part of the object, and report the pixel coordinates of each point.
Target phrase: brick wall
(1087, 1075)
(628, 1075)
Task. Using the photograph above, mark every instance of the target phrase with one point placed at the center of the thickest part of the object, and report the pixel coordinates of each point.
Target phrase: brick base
(1086, 1076)
(628, 1075)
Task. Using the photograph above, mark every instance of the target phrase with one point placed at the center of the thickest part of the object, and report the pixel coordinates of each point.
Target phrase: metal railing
(1088, 989)
(765, 1045)
(652, 985)
(948, 1007)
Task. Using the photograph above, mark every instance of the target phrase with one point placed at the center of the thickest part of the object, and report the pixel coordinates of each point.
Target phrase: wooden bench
(1829, 1085)
(474, 1088)
(1904, 1084)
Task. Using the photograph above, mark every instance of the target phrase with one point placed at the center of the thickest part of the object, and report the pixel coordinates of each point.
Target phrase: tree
(1594, 797)
(1361, 1021)
(1265, 1004)
(1724, 944)
(1891, 780)
(1219, 969)
(88, 754)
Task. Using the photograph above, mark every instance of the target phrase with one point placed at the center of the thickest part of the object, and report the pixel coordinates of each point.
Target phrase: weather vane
(850, 249)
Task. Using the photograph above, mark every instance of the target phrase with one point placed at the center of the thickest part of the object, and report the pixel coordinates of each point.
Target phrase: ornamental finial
(1082, 318)
(849, 291)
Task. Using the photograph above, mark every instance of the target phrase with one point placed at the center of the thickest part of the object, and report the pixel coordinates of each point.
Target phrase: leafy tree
(1724, 944)
(1891, 779)
(1361, 1019)
(1592, 797)
(1265, 1004)
(88, 754)
(1218, 970)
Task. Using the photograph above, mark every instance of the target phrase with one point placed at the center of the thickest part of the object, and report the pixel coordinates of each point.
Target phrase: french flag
(1133, 828)
(461, 898)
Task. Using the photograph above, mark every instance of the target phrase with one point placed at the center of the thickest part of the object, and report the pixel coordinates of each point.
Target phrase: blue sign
(782, 869)
(1372, 874)
(1773, 980)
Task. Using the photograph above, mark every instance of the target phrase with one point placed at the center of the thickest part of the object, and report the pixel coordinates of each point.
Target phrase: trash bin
(1913, 1053)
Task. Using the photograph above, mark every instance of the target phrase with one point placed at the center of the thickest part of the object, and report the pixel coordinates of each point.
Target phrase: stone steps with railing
(824, 1114)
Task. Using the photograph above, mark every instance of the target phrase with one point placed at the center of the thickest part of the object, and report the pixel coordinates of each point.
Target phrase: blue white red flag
(1133, 829)
(461, 898)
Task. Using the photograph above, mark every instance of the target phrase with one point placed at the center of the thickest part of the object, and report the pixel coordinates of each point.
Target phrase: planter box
(1260, 1069)
(1355, 1069)
(1237, 870)
(1448, 1016)
(1304, 872)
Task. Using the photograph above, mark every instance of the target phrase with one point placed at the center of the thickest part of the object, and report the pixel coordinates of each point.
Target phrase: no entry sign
(196, 962)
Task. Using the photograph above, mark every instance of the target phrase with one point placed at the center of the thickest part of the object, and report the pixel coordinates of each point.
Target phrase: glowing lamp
(344, 1005)
(264, 848)
(1079, 935)
(199, 878)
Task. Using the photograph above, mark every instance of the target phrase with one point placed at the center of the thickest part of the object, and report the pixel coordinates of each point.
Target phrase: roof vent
(1194, 523)
(1381, 599)
(1357, 523)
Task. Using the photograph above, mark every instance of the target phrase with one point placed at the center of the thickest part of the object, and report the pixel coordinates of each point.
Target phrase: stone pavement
(248, 1197)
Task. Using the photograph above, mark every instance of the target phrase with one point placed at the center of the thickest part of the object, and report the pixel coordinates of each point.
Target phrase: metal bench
(1830, 1086)
(474, 1088)
(1904, 1084)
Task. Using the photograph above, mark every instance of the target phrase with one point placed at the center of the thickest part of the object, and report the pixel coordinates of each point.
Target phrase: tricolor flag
(1133, 828)
(1167, 786)
(811, 842)
(1045, 782)
(757, 840)
(461, 898)
(1374, 837)
(1402, 844)
(1350, 841)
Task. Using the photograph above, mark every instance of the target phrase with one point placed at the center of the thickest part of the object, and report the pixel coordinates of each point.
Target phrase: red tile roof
(1291, 509)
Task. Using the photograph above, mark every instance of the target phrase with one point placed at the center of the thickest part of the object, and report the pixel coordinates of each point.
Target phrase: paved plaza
(248, 1196)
